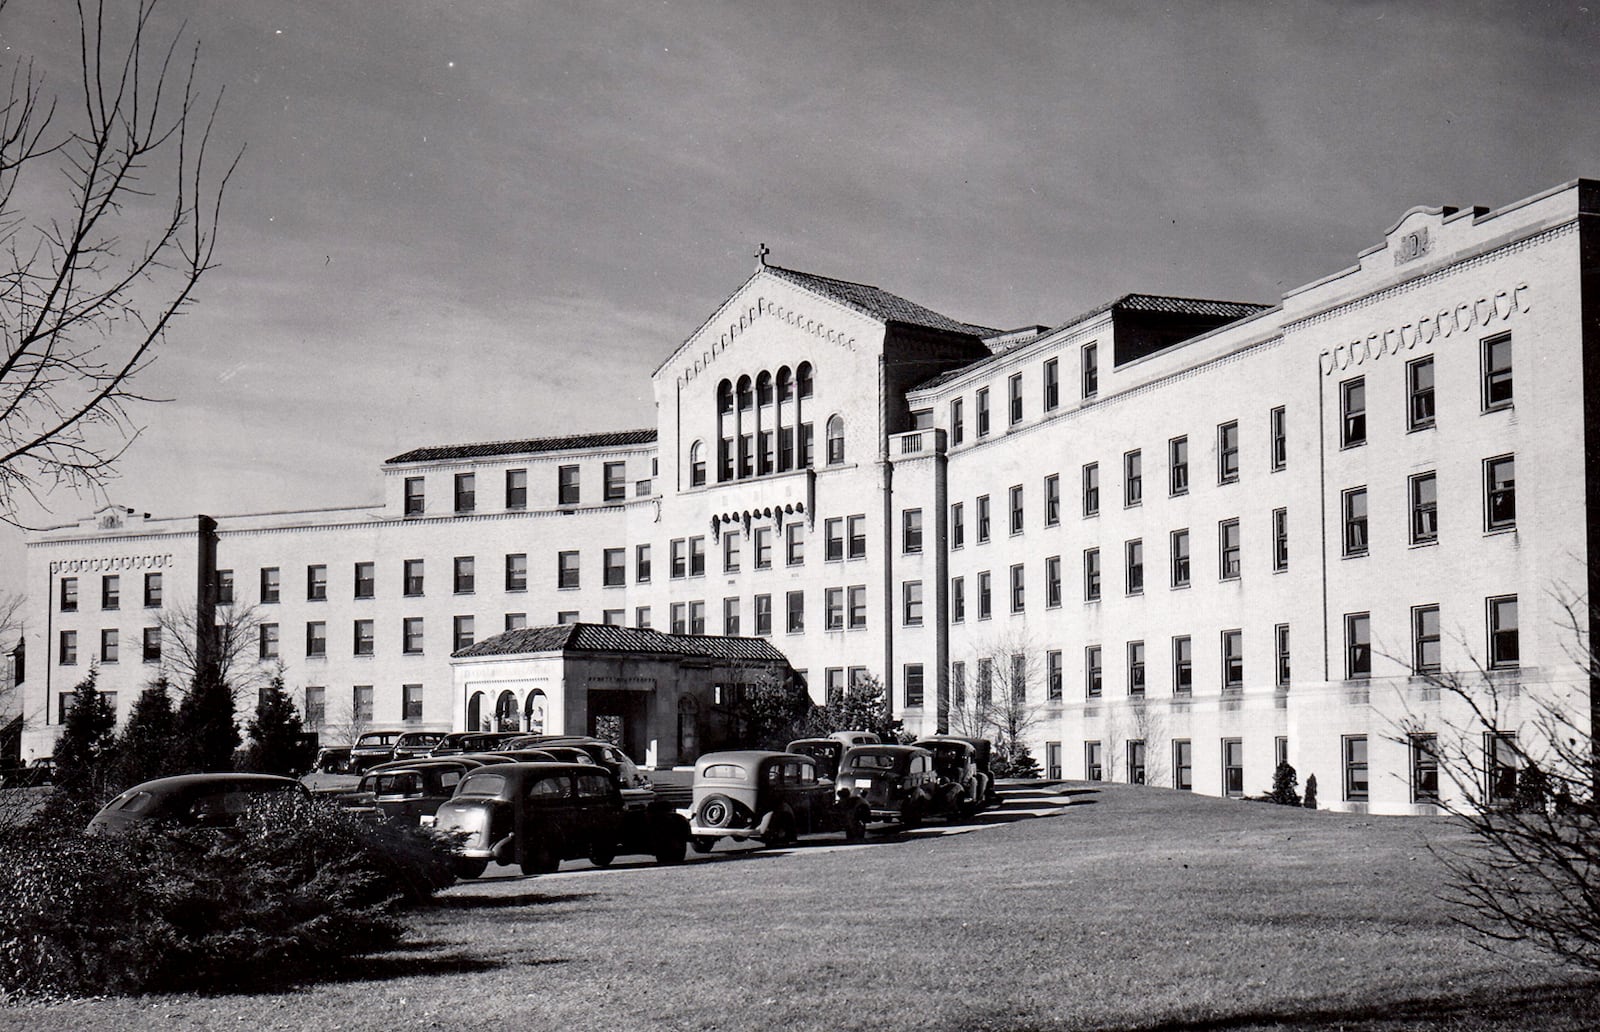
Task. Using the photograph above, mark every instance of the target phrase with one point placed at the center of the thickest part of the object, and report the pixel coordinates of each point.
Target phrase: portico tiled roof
(488, 449)
(587, 637)
(877, 303)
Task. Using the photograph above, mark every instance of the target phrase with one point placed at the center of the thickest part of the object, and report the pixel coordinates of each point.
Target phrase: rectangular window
(411, 635)
(1019, 677)
(1183, 765)
(363, 638)
(411, 577)
(1014, 395)
(464, 631)
(833, 535)
(1355, 768)
(567, 492)
(616, 481)
(1093, 671)
(1280, 751)
(1178, 466)
(762, 547)
(1180, 558)
(269, 584)
(1133, 554)
(1091, 489)
(1091, 370)
(152, 591)
(1091, 575)
(1353, 412)
(1018, 588)
(365, 580)
(111, 592)
(680, 618)
(958, 599)
(1016, 509)
(1233, 661)
(316, 583)
(1424, 768)
(983, 411)
(518, 621)
(1425, 655)
(983, 518)
(1227, 453)
(985, 595)
(1052, 500)
(1228, 549)
(361, 704)
(911, 531)
(516, 489)
(316, 706)
(1280, 540)
(1419, 393)
(224, 587)
(1355, 521)
(108, 646)
(1136, 764)
(1504, 648)
(796, 612)
(517, 572)
(267, 636)
(1132, 478)
(680, 558)
(697, 554)
(1500, 493)
(762, 605)
(641, 617)
(316, 638)
(465, 574)
(415, 497)
(1232, 767)
(1093, 766)
(1497, 372)
(957, 425)
(67, 650)
(641, 564)
(913, 681)
(958, 525)
(1357, 646)
(1182, 665)
(1502, 760)
(958, 684)
(1052, 581)
(566, 569)
(856, 531)
(1052, 384)
(833, 608)
(1136, 668)
(1053, 675)
(985, 686)
(1424, 491)
(911, 598)
(152, 645)
(69, 594)
(466, 492)
(730, 616)
(614, 567)
(1278, 433)
(411, 702)
(858, 606)
(1280, 637)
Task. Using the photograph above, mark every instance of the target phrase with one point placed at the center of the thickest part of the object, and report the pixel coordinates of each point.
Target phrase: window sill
(1503, 406)
(1352, 445)
(1420, 427)
(1224, 482)
(1500, 531)
(1432, 543)
(1180, 587)
(1354, 555)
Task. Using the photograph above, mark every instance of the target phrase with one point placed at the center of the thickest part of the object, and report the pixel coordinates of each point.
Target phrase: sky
(476, 221)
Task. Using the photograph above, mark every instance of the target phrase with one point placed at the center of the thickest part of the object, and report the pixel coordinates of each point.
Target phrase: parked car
(536, 815)
(963, 768)
(194, 800)
(41, 770)
(897, 782)
(332, 759)
(413, 744)
(829, 749)
(770, 796)
(457, 742)
(408, 790)
(371, 749)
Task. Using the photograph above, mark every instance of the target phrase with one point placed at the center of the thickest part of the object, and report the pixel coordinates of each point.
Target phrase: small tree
(146, 748)
(1284, 782)
(1311, 792)
(235, 647)
(775, 709)
(860, 707)
(274, 745)
(206, 733)
(87, 744)
(999, 706)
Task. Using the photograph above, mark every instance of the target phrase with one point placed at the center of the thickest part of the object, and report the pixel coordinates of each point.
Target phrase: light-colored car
(193, 800)
(772, 797)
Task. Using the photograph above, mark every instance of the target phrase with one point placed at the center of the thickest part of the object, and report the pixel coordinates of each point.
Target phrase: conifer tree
(146, 748)
(207, 734)
(1284, 782)
(274, 732)
(1311, 792)
(86, 748)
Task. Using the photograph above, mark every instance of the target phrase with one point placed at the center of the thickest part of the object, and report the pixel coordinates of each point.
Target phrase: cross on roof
(761, 255)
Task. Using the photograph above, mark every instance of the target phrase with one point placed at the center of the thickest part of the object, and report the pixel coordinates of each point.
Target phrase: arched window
(746, 398)
(533, 710)
(802, 378)
(475, 712)
(764, 388)
(835, 440)
(505, 713)
(724, 397)
(785, 384)
(697, 464)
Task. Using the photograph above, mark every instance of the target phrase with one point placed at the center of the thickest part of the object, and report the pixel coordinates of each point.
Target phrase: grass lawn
(1132, 909)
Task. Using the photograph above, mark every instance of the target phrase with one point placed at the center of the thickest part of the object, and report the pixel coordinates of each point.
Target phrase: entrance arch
(534, 709)
(505, 712)
(475, 712)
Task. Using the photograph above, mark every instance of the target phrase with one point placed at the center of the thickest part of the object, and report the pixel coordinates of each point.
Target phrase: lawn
(1130, 909)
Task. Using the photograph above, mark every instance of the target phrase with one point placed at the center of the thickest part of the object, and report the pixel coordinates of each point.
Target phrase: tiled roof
(614, 439)
(587, 637)
(877, 303)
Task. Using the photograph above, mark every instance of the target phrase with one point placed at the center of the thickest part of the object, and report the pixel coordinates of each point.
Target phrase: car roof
(815, 741)
(181, 781)
(885, 747)
(749, 757)
(541, 767)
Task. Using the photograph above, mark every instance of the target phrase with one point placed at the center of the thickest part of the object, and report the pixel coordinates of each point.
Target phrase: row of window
(1495, 391)
(361, 709)
(110, 646)
(1422, 495)
(762, 429)
(1050, 395)
(613, 488)
(110, 592)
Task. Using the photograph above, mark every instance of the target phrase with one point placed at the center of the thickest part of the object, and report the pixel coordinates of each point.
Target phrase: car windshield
(872, 761)
(482, 784)
(375, 739)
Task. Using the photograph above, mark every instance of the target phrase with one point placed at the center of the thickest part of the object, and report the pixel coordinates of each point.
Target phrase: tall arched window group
(763, 426)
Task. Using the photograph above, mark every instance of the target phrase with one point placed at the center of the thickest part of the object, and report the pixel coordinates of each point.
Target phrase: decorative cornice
(767, 308)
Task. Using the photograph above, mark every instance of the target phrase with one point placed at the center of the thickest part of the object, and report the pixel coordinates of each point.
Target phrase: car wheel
(541, 857)
(702, 843)
(466, 868)
(717, 811)
(672, 841)
(780, 830)
(855, 823)
(601, 856)
(911, 814)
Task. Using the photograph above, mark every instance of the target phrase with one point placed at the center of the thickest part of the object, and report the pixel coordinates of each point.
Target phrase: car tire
(855, 823)
(702, 844)
(602, 856)
(541, 857)
(468, 868)
(911, 814)
(672, 841)
(717, 811)
(780, 830)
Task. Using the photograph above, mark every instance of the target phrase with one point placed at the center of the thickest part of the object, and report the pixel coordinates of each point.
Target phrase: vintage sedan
(829, 749)
(963, 768)
(457, 742)
(408, 790)
(413, 745)
(897, 782)
(772, 797)
(536, 815)
(191, 800)
(371, 749)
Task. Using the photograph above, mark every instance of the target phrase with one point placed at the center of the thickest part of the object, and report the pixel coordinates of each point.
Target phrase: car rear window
(724, 772)
(482, 784)
(554, 786)
(871, 761)
(594, 786)
(133, 802)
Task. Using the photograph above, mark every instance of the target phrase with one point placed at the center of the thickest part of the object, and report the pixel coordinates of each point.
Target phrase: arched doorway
(505, 712)
(533, 712)
(688, 729)
(475, 712)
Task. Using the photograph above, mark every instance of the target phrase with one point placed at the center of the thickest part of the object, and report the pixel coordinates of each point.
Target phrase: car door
(600, 808)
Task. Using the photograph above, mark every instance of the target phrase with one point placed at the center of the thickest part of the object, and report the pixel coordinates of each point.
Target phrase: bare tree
(1002, 702)
(237, 648)
(90, 284)
(343, 722)
(1136, 721)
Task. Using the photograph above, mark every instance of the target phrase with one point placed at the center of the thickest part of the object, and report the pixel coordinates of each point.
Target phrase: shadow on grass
(520, 899)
